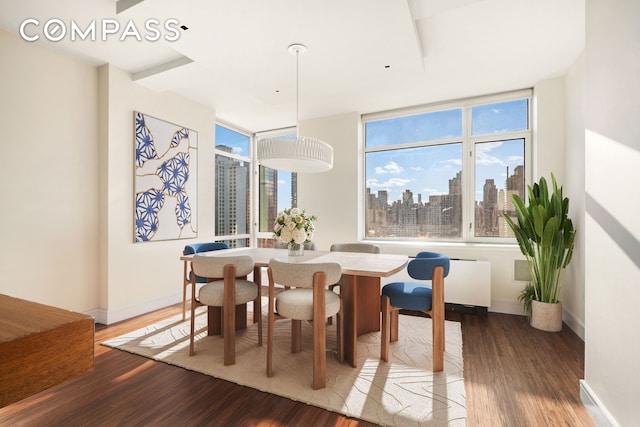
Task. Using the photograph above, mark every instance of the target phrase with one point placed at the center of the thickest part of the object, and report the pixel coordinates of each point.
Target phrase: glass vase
(296, 249)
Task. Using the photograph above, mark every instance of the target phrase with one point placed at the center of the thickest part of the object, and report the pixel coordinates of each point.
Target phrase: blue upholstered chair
(191, 249)
(419, 297)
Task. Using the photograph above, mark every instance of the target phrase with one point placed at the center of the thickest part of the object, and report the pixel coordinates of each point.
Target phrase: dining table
(360, 290)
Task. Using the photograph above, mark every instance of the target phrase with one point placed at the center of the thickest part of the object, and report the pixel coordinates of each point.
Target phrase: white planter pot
(546, 316)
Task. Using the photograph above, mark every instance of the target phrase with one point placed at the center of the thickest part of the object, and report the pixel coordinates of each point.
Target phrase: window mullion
(468, 192)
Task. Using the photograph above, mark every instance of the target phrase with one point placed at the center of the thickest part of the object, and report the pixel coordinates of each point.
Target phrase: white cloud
(452, 162)
(391, 167)
(388, 184)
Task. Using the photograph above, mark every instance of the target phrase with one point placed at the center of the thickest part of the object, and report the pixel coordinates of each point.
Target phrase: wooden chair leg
(384, 345)
(340, 334)
(296, 336)
(271, 317)
(394, 319)
(437, 319)
(229, 316)
(319, 332)
(270, 344)
(257, 306)
(185, 283)
(184, 302)
(193, 317)
(438, 344)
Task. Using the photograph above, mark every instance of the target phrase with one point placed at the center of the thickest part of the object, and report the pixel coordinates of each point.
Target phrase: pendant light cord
(297, 87)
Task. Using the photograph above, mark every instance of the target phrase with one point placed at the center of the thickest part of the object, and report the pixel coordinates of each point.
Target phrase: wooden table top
(354, 263)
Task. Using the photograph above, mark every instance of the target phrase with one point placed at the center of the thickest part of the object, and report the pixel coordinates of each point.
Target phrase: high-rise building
(232, 212)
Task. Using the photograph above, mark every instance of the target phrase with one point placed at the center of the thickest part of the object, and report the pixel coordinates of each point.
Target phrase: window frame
(469, 142)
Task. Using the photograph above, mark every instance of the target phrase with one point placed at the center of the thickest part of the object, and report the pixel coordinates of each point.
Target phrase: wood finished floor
(514, 376)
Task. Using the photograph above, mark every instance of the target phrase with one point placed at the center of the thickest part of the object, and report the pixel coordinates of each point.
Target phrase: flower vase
(296, 249)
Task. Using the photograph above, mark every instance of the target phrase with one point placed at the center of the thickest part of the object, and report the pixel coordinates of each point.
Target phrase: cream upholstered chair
(191, 249)
(229, 290)
(369, 248)
(420, 297)
(305, 297)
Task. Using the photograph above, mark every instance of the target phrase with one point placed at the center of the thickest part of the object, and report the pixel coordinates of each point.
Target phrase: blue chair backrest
(422, 266)
(194, 248)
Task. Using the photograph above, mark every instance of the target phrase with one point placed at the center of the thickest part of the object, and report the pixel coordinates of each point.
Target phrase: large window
(446, 172)
(233, 184)
(277, 191)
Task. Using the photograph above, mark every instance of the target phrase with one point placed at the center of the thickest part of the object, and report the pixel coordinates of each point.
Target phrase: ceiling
(362, 55)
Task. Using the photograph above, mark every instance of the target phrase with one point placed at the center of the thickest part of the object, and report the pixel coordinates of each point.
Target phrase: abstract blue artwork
(165, 180)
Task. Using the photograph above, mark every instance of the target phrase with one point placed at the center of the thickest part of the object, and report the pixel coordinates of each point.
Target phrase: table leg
(257, 279)
(361, 305)
(214, 319)
(214, 316)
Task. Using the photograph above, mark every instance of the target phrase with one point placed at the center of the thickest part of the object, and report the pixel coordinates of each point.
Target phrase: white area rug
(403, 392)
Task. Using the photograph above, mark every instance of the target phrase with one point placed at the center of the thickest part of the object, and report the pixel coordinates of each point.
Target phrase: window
(277, 191)
(446, 172)
(233, 184)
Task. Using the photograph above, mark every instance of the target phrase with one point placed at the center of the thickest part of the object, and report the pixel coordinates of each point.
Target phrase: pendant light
(303, 154)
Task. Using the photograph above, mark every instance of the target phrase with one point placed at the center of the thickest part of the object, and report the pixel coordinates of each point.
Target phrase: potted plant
(545, 235)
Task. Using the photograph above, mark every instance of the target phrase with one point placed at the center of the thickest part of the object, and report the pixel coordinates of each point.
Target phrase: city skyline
(427, 170)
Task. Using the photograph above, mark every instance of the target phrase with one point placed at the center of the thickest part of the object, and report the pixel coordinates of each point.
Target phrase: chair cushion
(408, 295)
(298, 304)
(213, 293)
(422, 266)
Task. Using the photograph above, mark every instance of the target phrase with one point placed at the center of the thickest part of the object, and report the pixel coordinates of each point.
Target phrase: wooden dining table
(360, 288)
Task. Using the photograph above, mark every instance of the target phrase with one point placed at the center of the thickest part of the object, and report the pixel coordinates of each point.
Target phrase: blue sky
(427, 170)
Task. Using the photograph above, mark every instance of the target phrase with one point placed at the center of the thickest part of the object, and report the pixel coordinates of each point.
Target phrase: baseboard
(506, 307)
(601, 416)
(110, 316)
(574, 323)
(515, 307)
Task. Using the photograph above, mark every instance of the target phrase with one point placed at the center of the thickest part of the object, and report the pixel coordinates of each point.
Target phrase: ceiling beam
(122, 5)
(161, 68)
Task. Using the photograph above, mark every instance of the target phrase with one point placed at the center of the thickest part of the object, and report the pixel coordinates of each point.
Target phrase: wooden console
(41, 346)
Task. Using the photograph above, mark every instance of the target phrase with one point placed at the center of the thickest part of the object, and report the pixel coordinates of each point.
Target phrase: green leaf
(551, 231)
(539, 214)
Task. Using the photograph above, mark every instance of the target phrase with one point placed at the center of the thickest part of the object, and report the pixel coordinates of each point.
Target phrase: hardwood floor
(514, 376)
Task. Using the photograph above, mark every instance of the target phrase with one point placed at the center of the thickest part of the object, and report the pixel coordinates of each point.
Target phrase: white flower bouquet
(293, 226)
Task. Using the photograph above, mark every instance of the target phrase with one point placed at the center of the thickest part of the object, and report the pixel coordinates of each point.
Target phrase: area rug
(402, 392)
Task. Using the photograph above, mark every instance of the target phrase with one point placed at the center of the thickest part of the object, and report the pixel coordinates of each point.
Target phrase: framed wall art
(165, 180)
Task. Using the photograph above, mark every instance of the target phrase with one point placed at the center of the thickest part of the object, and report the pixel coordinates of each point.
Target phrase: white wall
(332, 196)
(612, 258)
(139, 277)
(549, 129)
(48, 170)
(573, 294)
